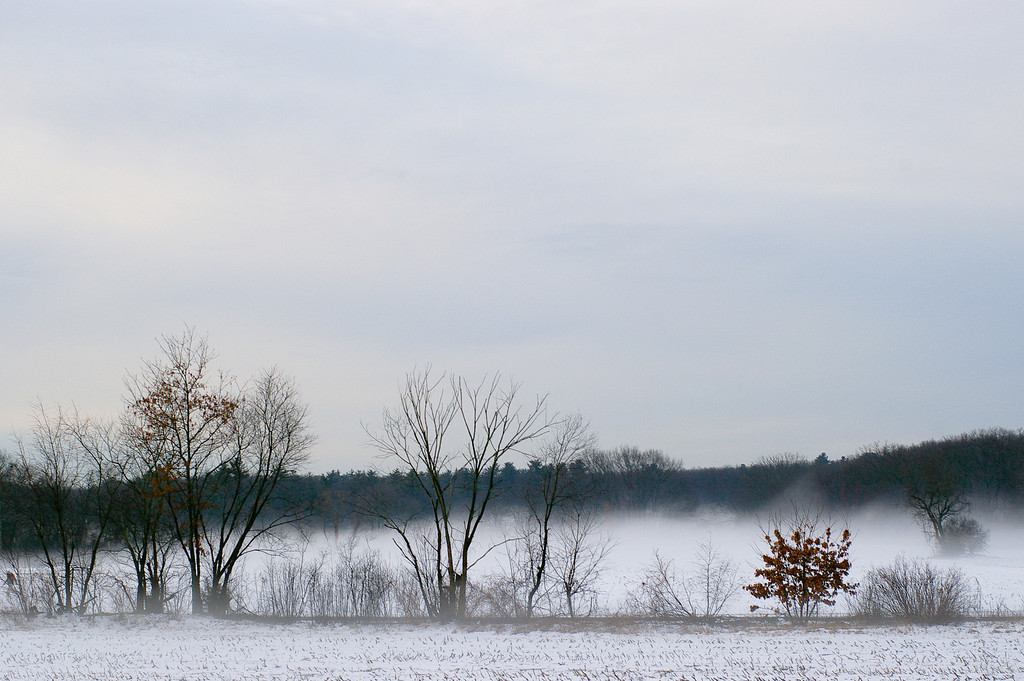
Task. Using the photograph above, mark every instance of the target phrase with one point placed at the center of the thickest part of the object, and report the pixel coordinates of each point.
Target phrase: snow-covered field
(166, 648)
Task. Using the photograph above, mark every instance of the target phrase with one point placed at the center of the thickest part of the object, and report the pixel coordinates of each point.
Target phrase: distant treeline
(981, 466)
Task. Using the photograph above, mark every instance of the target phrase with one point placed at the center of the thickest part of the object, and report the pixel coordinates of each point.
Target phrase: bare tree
(569, 441)
(270, 441)
(143, 516)
(458, 483)
(700, 594)
(414, 435)
(183, 412)
(579, 556)
(65, 466)
(936, 507)
(937, 496)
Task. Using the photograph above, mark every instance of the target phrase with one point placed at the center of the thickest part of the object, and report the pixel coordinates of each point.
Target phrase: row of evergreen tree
(981, 466)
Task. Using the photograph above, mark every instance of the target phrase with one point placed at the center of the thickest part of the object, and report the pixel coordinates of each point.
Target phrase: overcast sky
(721, 229)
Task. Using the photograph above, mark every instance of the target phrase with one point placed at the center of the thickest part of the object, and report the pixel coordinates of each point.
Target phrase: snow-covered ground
(164, 648)
(116, 647)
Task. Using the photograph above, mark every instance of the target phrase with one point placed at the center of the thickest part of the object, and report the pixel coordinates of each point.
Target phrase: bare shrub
(114, 592)
(367, 582)
(285, 588)
(349, 583)
(407, 594)
(963, 536)
(496, 595)
(915, 591)
(701, 593)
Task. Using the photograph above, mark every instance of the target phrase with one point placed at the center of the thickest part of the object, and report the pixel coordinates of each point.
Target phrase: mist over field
(130, 647)
(880, 535)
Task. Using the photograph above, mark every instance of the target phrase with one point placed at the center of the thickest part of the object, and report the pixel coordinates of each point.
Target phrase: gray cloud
(723, 229)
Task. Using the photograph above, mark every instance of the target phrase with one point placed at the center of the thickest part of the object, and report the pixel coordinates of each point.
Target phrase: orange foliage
(804, 570)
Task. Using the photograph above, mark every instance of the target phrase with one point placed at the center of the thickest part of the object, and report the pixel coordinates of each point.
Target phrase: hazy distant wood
(990, 465)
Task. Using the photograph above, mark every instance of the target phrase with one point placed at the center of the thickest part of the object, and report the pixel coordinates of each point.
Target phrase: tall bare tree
(217, 455)
(488, 423)
(144, 517)
(579, 555)
(270, 441)
(568, 442)
(66, 466)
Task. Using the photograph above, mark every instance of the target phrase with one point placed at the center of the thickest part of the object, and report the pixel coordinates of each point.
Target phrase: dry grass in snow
(157, 649)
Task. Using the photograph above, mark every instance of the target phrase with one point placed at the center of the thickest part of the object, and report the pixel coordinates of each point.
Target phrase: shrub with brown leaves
(804, 568)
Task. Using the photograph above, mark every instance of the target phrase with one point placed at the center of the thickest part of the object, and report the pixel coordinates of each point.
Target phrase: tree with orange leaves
(211, 455)
(804, 567)
(181, 413)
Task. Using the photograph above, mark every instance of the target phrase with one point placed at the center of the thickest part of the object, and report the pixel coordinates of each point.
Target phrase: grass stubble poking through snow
(115, 649)
(165, 648)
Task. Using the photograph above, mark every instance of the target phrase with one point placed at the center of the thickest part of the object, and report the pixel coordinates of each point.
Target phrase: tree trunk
(460, 589)
(218, 601)
(197, 595)
(155, 601)
(140, 593)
